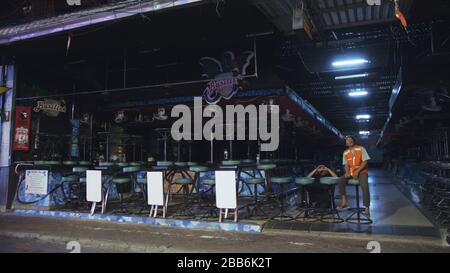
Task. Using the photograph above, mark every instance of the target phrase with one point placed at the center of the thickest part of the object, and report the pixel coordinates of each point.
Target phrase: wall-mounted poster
(36, 181)
(22, 129)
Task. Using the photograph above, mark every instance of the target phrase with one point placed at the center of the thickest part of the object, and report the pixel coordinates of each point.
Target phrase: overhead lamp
(353, 76)
(364, 116)
(350, 62)
(357, 93)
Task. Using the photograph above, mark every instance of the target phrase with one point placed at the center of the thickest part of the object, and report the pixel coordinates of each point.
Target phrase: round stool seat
(71, 178)
(142, 180)
(255, 181)
(192, 164)
(123, 164)
(209, 181)
(69, 163)
(84, 163)
(198, 169)
(121, 180)
(230, 162)
(131, 169)
(247, 161)
(353, 182)
(135, 164)
(266, 161)
(280, 180)
(329, 180)
(52, 163)
(164, 163)
(106, 164)
(266, 167)
(304, 180)
(83, 179)
(79, 169)
(38, 162)
(181, 164)
(184, 181)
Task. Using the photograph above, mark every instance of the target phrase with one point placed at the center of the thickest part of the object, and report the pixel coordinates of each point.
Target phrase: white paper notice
(226, 196)
(94, 186)
(36, 181)
(155, 189)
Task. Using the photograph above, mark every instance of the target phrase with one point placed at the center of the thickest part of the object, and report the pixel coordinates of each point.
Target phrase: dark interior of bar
(229, 116)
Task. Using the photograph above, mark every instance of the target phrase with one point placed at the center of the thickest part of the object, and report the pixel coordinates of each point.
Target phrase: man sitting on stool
(319, 192)
(355, 161)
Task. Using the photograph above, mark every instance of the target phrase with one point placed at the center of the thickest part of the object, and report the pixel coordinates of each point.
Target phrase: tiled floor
(391, 211)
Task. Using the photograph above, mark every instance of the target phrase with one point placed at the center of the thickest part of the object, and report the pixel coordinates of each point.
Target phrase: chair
(331, 215)
(360, 218)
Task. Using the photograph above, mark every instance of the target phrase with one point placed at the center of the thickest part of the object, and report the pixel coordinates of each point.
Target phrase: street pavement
(36, 234)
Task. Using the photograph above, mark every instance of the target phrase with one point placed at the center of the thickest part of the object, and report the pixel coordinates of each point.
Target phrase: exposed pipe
(96, 18)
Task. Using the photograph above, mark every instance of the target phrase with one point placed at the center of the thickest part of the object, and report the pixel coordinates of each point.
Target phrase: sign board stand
(155, 194)
(94, 189)
(226, 193)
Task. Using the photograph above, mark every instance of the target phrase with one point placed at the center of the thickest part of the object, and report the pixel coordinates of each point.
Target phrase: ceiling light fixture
(357, 93)
(351, 62)
(353, 76)
(364, 116)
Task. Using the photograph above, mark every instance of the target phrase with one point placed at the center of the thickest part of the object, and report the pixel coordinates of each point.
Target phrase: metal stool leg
(256, 205)
(335, 218)
(357, 211)
(304, 207)
(283, 216)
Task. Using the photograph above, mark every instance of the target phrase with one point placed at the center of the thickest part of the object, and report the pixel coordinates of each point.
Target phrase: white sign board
(36, 181)
(155, 188)
(226, 195)
(94, 186)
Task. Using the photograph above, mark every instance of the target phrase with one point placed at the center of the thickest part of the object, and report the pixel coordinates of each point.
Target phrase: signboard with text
(36, 181)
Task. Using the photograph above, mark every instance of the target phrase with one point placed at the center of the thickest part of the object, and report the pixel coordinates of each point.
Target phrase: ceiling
(340, 28)
(345, 29)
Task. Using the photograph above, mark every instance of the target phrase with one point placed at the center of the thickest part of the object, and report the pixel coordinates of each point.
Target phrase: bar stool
(185, 182)
(256, 204)
(168, 172)
(84, 163)
(266, 168)
(231, 163)
(80, 185)
(332, 214)
(283, 183)
(197, 170)
(211, 205)
(69, 179)
(360, 218)
(305, 205)
(123, 182)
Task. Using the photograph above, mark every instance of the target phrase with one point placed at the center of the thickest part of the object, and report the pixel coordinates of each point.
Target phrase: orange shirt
(354, 157)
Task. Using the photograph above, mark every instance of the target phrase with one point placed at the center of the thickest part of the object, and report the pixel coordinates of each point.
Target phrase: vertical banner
(22, 128)
(75, 151)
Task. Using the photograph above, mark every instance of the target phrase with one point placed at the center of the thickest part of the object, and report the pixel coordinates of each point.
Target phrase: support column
(8, 180)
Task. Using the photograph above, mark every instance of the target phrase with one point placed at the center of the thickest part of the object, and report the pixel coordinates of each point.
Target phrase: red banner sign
(22, 129)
